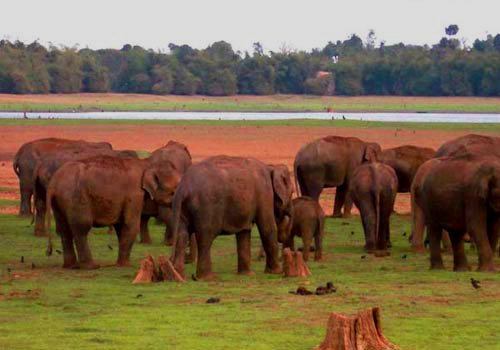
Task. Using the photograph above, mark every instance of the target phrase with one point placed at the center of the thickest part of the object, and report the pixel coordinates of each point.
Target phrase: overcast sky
(300, 25)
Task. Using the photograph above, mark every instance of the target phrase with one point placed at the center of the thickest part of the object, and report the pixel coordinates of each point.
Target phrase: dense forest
(349, 67)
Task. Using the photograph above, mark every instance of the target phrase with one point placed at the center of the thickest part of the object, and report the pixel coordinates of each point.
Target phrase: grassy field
(482, 127)
(47, 307)
(274, 103)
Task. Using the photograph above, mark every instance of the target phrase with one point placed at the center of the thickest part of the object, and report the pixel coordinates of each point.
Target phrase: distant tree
(163, 80)
(451, 30)
(185, 83)
(65, 71)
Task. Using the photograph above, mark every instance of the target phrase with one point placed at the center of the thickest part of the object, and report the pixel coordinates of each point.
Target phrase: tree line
(349, 67)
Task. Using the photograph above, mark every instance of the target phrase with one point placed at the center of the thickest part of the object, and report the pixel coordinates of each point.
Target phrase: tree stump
(167, 271)
(294, 265)
(361, 332)
(146, 273)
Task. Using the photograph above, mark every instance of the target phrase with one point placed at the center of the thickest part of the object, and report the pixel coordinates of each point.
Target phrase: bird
(139, 296)
(343, 117)
(475, 283)
(404, 234)
(213, 300)
(33, 265)
(363, 256)
(22, 259)
(404, 256)
(58, 251)
(9, 270)
(352, 233)
(110, 247)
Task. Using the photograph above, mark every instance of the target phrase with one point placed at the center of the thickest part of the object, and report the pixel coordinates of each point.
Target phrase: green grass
(8, 202)
(484, 127)
(102, 309)
(273, 103)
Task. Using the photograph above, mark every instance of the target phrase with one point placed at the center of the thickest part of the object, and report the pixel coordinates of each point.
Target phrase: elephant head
(372, 152)
(283, 189)
(160, 180)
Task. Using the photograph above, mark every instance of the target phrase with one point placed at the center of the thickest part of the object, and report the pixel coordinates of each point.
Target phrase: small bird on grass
(33, 266)
(22, 259)
(352, 233)
(139, 296)
(110, 247)
(58, 252)
(213, 300)
(475, 283)
(363, 256)
(404, 234)
(404, 256)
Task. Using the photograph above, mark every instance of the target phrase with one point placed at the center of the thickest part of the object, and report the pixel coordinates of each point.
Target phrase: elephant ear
(150, 182)
(280, 177)
(371, 153)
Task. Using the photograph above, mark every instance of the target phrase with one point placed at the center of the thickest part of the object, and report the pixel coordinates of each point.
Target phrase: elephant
(468, 144)
(373, 189)
(405, 160)
(330, 162)
(178, 154)
(103, 191)
(462, 194)
(25, 161)
(307, 221)
(472, 143)
(48, 164)
(226, 195)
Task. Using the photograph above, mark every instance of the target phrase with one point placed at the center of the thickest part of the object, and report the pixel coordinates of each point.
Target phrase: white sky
(302, 24)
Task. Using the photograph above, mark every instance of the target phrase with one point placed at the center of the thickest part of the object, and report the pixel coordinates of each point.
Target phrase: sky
(299, 25)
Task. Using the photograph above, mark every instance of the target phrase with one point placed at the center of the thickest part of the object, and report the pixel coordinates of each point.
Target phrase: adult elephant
(26, 159)
(471, 143)
(462, 194)
(178, 154)
(227, 195)
(330, 162)
(405, 160)
(48, 164)
(103, 191)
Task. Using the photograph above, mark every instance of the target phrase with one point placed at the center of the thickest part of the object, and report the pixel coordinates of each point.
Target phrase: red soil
(274, 144)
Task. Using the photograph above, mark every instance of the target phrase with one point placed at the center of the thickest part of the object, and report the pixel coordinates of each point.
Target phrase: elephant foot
(418, 248)
(70, 265)
(346, 215)
(87, 266)
(275, 270)
(381, 253)
(207, 276)
(146, 241)
(246, 273)
(336, 215)
(437, 266)
(461, 268)
(123, 263)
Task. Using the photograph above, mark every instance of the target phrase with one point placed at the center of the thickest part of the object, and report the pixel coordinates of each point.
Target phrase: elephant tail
(15, 164)
(376, 197)
(295, 176)
(48, 206)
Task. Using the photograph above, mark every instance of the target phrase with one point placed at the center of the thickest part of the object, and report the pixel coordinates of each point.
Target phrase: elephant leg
(26, 194)
(447, 244)
(434, 232)
(383, 237)
(306, 241)
(459, 257)
(179, 250)
(493, 232)
(40, 207)
(145, 237)
(347, 205)
(417, 228)
(169, 237)
(193, 250)
(204, 239)
(368, 219)
(243, 246)
(268, 236)
(340, 195)
(80, 235)
(485, 253)
(69, 255)
(128, 232)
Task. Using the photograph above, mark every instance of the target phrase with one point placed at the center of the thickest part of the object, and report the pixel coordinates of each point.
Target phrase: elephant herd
(86, 184)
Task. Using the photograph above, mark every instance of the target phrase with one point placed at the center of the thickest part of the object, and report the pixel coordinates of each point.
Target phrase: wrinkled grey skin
(90, 193)
(373, 189)
(227, 195)
(462, 194)
(405, 160)
(47, 165)
(307, 221)
(26, 159)
(330, 162)
(178, 154)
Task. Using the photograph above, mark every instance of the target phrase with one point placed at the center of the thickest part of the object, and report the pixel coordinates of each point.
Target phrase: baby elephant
(374, 187)
(308, 220)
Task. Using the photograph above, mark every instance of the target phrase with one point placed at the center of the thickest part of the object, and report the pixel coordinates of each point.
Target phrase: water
(383, 117)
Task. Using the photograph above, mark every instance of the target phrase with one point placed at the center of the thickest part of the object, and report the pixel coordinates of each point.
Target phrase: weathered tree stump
(360, 332)
(294, 264)
(146, 273)
(167, 271)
